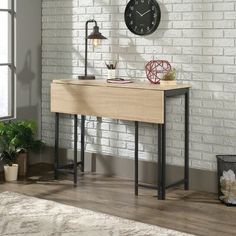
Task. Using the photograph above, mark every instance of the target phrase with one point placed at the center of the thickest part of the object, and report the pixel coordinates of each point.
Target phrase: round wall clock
(142, 17)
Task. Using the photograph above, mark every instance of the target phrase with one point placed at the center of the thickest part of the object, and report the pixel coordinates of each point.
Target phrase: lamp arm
(86, 44)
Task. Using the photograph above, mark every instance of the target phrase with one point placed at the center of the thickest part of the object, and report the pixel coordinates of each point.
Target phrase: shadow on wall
(29, 90)
(27, 76)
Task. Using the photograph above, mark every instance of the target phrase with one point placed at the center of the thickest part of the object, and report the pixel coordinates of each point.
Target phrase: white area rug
(23, 215)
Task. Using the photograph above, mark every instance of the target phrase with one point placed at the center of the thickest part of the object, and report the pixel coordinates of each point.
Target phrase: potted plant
(169, 77)
(20, 135)
(8, 155)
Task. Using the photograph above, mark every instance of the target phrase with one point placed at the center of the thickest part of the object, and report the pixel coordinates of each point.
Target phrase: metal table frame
(161, 164)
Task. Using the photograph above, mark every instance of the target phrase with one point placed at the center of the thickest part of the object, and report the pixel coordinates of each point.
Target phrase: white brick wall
(198, 37)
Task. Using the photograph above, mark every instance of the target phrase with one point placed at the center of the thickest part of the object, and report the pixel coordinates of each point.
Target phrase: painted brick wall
(198, 37)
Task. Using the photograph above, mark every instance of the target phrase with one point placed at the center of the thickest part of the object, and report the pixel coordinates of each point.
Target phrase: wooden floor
(188, 211)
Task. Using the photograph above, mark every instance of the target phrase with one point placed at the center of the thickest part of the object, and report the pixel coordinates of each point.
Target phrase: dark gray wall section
(28, 60)
(28, 63)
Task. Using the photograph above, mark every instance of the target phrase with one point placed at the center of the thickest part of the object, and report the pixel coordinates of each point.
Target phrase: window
(7, 65)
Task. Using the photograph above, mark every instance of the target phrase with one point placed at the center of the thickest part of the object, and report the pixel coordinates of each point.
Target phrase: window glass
(5, 40)
(4, 4)
(5, 91)
(7, 67)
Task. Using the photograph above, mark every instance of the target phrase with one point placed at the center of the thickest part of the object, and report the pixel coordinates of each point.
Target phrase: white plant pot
(11, 172)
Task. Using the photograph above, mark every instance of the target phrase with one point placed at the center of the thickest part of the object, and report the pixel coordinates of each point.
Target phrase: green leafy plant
(170, 75)
(8, 154)
(19, 135)
(9, 157)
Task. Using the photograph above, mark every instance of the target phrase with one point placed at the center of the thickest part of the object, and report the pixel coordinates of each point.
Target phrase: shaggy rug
(23, 215)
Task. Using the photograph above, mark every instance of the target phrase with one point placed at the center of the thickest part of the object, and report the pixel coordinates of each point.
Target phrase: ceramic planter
(11, 172)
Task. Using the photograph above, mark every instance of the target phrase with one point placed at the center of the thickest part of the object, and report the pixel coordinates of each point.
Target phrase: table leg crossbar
(151, 186)
(73, 167)
(69, 166)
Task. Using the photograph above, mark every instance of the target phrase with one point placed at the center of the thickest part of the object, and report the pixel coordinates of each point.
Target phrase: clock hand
(139, 13)
(145, 13)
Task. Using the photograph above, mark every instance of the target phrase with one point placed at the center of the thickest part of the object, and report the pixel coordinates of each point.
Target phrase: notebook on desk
(119, 81)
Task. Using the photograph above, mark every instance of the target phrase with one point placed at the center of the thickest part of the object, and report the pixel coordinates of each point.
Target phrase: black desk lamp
(95, 36)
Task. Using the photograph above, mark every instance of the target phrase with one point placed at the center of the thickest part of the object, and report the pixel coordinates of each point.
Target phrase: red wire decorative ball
(156, 69)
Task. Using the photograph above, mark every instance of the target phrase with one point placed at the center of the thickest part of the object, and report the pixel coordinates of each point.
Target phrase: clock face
(142, 17)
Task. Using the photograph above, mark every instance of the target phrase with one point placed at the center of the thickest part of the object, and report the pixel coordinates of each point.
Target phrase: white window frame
(11, 64)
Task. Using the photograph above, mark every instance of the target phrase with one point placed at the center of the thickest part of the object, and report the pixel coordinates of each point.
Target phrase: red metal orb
(156, 69)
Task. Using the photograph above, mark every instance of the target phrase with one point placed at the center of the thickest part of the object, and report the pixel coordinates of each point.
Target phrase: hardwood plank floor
(188, 211)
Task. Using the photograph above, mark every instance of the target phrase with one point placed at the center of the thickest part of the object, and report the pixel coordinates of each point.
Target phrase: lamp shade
(96, 34)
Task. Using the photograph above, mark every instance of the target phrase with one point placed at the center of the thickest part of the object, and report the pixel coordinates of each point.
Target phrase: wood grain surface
(134, 85)
(114, 102)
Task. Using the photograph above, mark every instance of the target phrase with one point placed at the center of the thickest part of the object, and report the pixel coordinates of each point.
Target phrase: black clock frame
(157, 22)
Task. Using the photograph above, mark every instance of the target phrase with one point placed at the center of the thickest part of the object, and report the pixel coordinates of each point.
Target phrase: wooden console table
(139, 101)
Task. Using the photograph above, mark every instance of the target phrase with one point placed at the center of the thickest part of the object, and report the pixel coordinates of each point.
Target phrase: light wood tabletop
(137, 101)
(134, 85)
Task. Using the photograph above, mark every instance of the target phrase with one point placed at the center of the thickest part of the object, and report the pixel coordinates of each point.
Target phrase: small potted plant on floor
(20, 135)
(8, 156)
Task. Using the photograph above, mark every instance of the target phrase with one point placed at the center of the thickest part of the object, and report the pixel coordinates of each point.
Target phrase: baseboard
(201, 180)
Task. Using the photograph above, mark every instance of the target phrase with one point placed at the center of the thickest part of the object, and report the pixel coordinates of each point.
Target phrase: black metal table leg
(75, 148)
(136, 158)
(159, 163)
(163, 177)
(56, 153)
(82, 141)
(186, 151)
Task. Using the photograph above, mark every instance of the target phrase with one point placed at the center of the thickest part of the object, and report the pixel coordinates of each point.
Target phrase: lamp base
(86, 77)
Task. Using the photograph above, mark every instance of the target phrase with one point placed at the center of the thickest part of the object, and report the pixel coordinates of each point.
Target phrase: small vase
(111, 74)
(11, 172)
